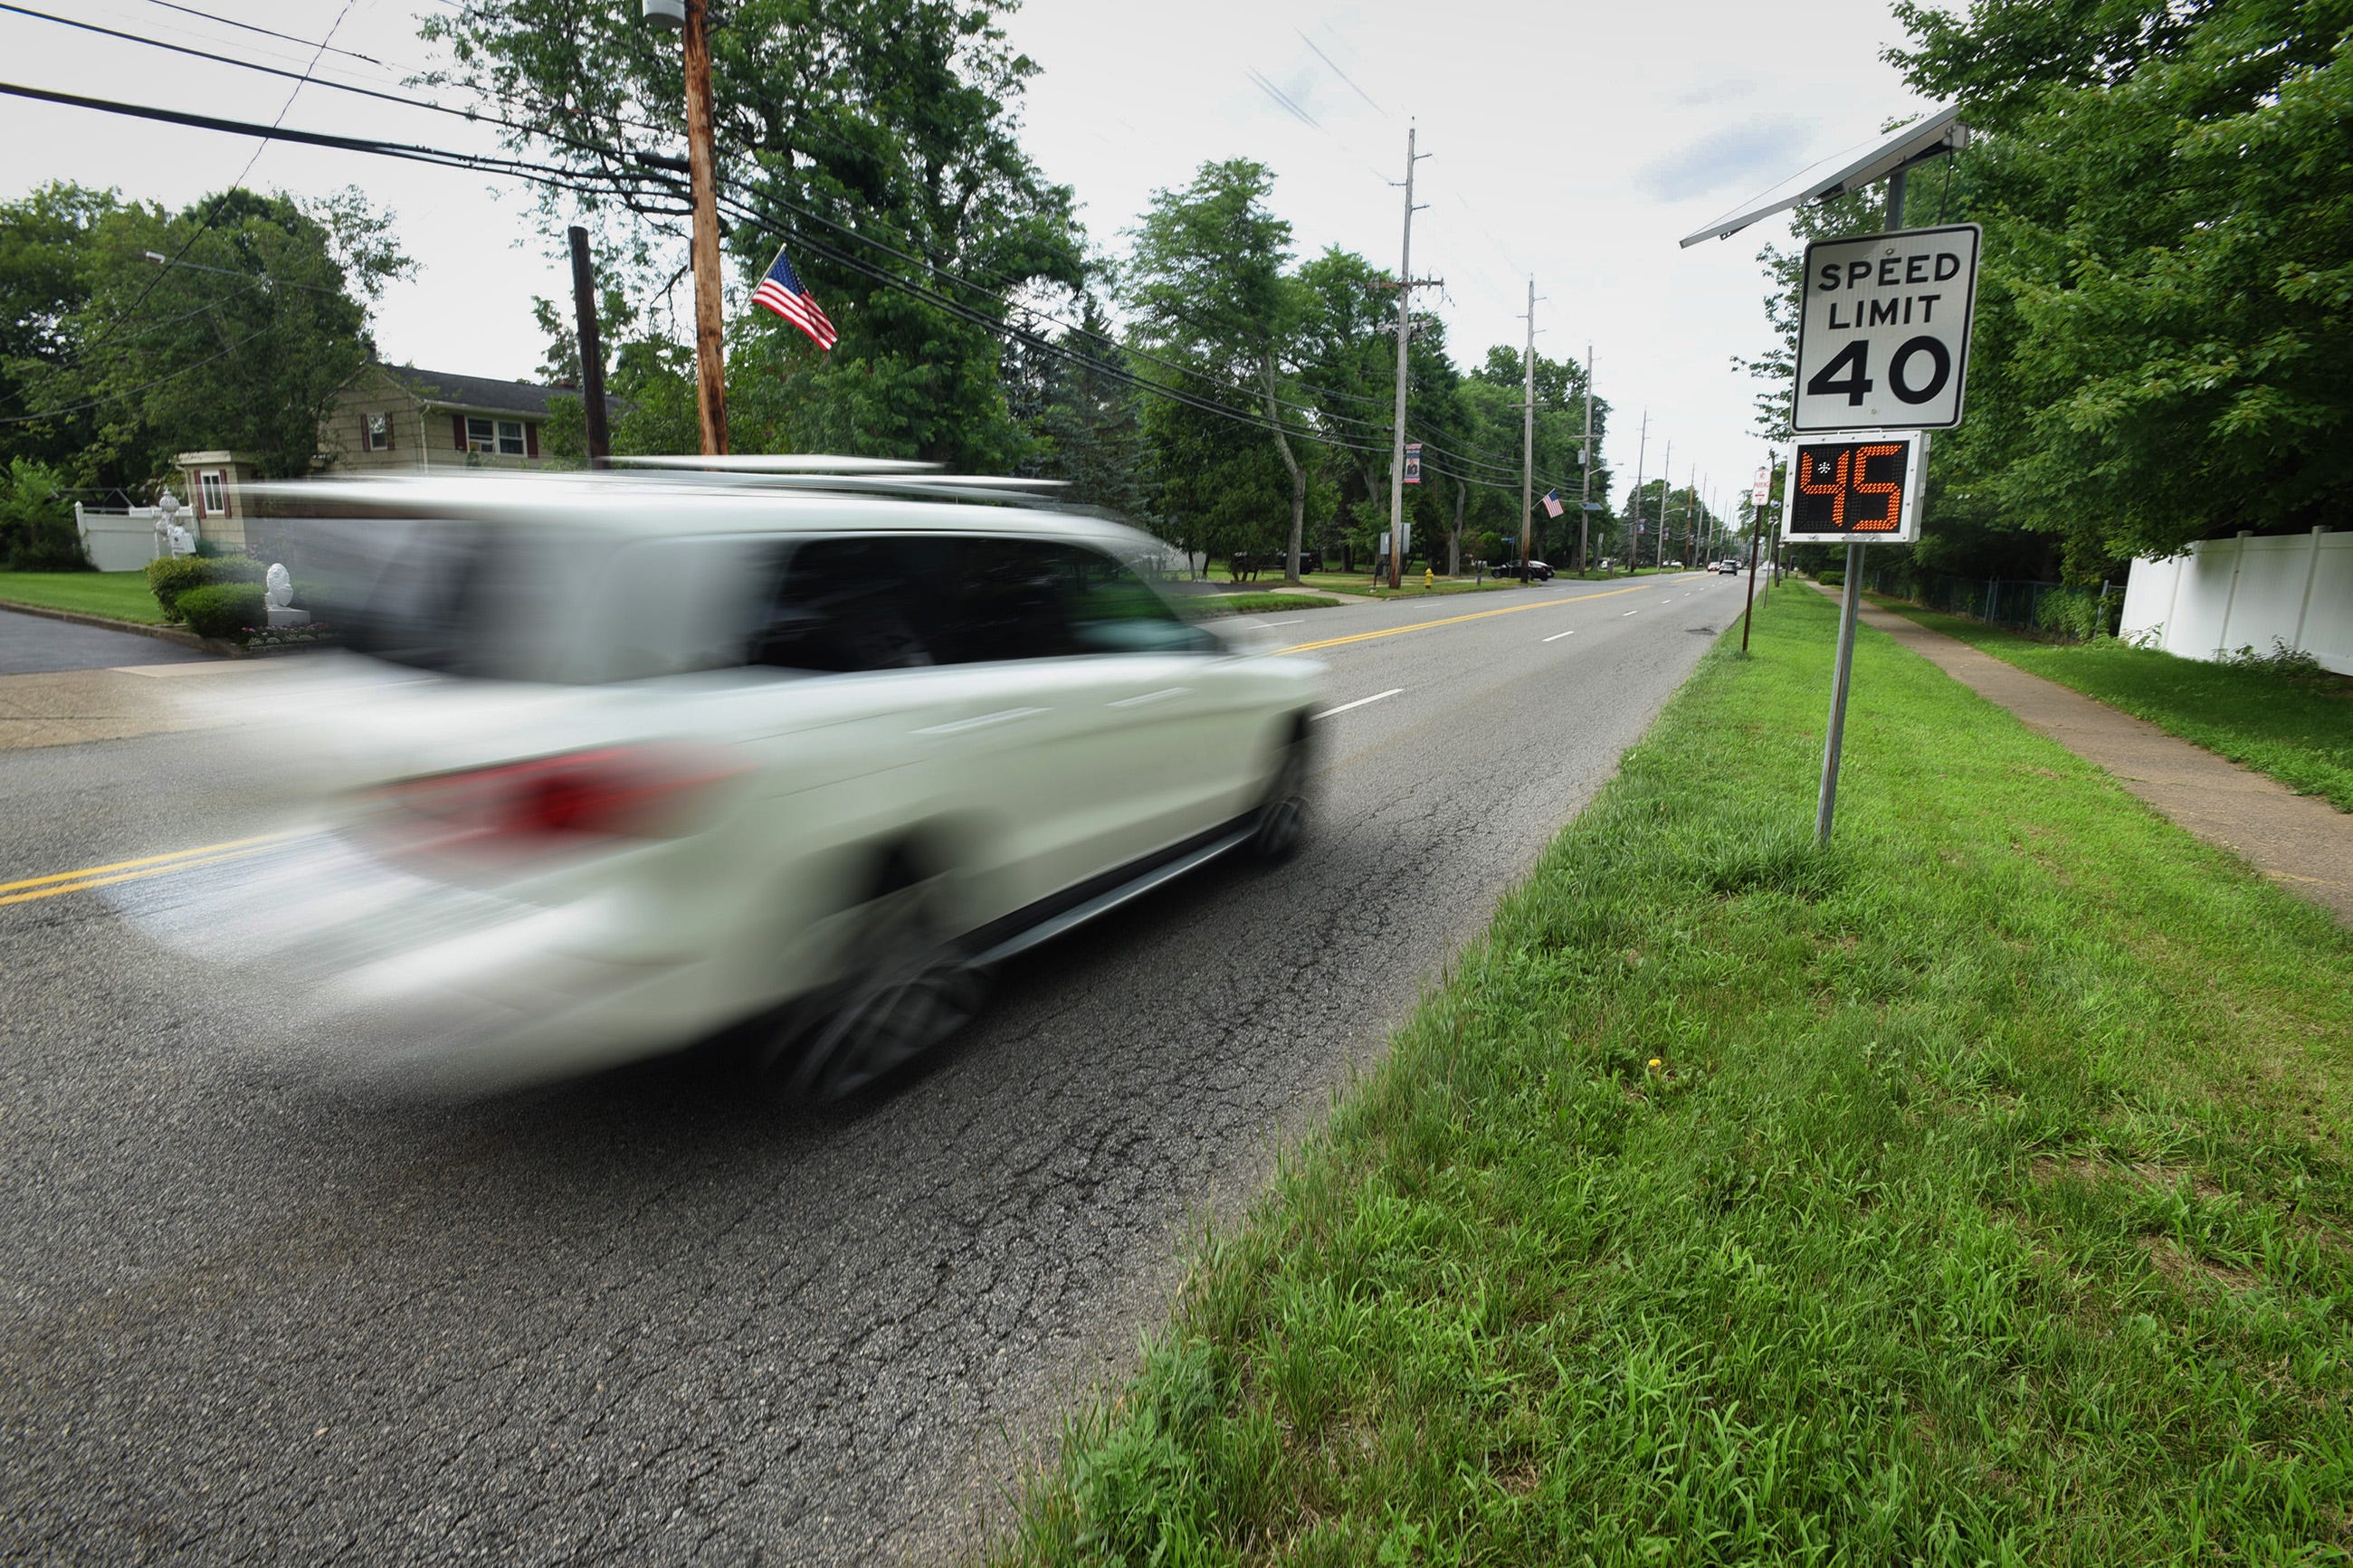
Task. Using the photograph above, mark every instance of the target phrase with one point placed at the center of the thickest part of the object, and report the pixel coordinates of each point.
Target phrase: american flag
(783, 291)
(1552, 503)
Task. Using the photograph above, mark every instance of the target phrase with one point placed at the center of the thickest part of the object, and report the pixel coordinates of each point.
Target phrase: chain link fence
(2045, 609)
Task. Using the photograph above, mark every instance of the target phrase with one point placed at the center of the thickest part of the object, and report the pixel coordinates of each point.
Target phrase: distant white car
(672, 756)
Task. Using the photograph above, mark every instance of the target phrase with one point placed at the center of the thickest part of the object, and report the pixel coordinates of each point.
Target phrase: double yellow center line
(89, 877)
(1458, 620)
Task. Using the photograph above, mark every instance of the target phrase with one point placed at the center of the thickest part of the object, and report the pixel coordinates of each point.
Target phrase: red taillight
(628, 792)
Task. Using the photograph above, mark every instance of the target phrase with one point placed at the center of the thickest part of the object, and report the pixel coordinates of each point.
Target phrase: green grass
(1976, 1192)
(2297, 728)
(1256, 603)
(123, 596)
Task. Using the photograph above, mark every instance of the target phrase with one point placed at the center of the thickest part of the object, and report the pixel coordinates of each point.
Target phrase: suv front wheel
(1282, 812)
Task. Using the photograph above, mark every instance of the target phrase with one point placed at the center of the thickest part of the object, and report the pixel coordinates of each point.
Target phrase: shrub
(171, 579)
(2075, 613)
(36, 531)
(224, 609)
(2282, 659)
(1831, 576)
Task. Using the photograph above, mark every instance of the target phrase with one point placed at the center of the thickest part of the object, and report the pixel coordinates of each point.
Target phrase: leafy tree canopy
(239, 337)
(892, 120)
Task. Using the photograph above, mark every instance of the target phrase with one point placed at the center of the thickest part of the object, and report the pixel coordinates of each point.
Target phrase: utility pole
(1690, 506)
(710, 367)
(1528, 436)
(1407, 283)
(1634, 527)
(592, 351)
(1666, 494)
(1585, 466)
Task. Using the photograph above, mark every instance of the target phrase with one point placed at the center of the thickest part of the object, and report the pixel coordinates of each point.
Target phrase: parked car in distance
(1536, 570)
(797, 759)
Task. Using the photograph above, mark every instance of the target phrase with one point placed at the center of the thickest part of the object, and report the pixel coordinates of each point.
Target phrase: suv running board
(1104, 902)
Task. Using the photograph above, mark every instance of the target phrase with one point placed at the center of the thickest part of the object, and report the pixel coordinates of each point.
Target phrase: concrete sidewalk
(2300, 842)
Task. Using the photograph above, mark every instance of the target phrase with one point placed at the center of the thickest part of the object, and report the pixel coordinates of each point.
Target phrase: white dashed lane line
(1557, 636)
(1630, 613)
(1359, 703)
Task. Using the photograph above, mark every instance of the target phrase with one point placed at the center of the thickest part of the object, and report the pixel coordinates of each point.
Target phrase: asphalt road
(254, 1313)
(39, 644)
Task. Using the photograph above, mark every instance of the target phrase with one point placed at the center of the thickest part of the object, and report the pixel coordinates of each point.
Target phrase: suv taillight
(652, 791)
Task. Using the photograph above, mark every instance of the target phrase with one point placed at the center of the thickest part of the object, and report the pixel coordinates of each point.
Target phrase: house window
(212, 495)
(501, 435)
(379, 432)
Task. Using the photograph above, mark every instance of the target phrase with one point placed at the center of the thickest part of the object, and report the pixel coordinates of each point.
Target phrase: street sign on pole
(1761, 489)
(1859, 487)
(1883, 331)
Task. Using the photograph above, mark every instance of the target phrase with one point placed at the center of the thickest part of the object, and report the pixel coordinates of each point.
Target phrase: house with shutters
(395, 416)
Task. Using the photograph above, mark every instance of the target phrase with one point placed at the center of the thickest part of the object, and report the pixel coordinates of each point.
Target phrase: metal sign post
(1863, 295)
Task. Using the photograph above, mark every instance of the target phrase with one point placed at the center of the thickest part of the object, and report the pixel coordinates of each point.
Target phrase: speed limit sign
(1883, 333)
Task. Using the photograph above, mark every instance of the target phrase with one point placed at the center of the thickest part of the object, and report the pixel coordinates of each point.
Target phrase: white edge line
(1359, 703)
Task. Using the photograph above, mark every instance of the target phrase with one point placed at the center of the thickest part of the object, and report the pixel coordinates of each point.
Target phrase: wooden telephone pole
(1407, 284)
(710, 363)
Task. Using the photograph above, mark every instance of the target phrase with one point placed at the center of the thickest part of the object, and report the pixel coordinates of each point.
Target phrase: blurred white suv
(665, 755)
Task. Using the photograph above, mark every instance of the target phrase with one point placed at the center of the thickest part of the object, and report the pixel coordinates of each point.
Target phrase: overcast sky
(1575, 143)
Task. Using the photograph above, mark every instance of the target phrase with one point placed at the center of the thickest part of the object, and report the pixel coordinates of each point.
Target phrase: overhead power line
(556, 177)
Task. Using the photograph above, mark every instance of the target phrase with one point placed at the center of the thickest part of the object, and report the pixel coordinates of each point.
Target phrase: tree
(240, 339)
(1091, 422)
(1207, 283)
(870, 139)
(2164, 335)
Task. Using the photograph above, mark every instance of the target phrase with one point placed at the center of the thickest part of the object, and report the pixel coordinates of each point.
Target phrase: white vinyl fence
(126, 540)
(2224, 595)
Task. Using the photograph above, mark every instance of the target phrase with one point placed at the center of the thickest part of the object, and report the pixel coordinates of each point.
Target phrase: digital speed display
(1855, 488)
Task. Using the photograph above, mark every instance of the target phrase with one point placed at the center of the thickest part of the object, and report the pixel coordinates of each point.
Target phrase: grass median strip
(1256, 603)
(2297, 727)
(1976, 1192)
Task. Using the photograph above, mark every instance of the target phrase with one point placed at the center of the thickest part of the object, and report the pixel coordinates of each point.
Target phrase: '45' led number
(1856, 487)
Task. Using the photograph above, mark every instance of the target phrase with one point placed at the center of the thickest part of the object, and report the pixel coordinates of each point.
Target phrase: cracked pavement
(257, 1313)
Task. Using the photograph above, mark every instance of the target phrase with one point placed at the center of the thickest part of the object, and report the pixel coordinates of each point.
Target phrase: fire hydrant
(1429, 577)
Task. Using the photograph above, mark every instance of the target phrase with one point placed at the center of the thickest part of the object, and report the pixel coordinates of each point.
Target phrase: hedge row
(173, 579)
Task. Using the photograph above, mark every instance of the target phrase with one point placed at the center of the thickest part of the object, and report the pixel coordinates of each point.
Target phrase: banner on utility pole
(1413, 462)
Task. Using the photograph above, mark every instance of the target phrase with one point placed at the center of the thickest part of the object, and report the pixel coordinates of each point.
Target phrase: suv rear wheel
(913, 986)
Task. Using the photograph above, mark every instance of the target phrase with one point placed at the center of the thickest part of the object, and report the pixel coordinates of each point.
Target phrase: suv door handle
(958, 726)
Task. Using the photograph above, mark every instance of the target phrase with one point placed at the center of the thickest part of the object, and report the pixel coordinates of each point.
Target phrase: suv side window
(1001, 599)
(844, 605)
(1112, 610)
